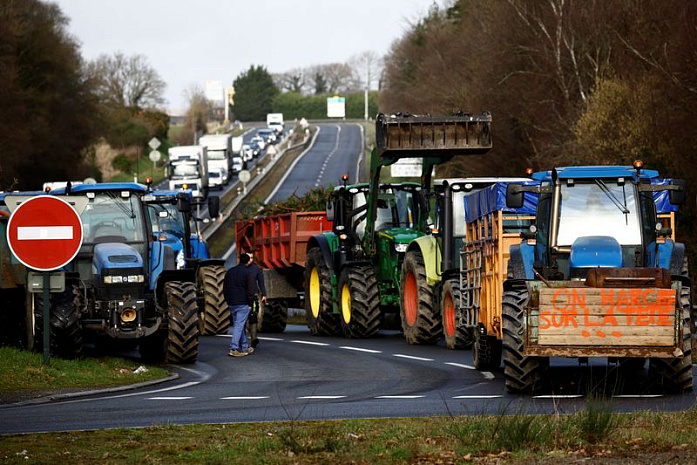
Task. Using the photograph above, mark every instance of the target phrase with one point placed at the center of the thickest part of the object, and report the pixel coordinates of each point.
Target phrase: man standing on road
(239, 289)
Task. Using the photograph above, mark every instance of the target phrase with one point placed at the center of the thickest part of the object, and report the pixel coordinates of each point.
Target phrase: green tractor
(352, 273)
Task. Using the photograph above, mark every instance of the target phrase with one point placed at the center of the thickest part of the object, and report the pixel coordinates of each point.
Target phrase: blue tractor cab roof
(104, 187)
(590, 172)
(163, 194)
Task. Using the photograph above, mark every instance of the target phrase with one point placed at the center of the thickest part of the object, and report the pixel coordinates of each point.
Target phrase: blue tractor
(117, 288)
(179, 229)
(597, 276)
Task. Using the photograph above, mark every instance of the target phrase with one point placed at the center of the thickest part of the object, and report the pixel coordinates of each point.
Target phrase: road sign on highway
(154, 143)
(44, 233)
(244, 176)
(155, 156)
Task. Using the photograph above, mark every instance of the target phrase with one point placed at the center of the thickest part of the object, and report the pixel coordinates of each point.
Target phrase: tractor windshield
(598, 208)
(113, 216)
(166, 218)
(395, 209)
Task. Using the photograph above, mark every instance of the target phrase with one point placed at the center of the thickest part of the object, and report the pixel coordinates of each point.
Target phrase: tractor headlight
(181, 261)
(401, 248)
(134, 278)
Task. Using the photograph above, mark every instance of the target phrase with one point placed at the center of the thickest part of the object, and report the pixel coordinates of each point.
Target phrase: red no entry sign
(44, 233)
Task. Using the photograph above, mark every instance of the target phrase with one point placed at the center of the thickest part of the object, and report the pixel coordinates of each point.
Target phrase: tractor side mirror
(677, 196)
(514, 196)
(213, 206)
(330, 210)
(183, 203)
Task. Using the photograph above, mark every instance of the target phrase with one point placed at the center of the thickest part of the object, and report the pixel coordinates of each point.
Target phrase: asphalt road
(296, 376)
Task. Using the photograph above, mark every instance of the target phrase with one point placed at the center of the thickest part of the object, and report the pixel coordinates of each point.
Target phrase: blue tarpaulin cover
(493, 198)
(661, 199)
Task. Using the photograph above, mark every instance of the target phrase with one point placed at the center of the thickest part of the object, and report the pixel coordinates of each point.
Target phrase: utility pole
(367, 86)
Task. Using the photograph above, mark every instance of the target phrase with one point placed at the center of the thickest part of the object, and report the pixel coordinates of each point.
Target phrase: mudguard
(431, 253)
(520, 263)
(327, 243)
(666, 255)
(677, 261)
(199, 248)
(161, 258)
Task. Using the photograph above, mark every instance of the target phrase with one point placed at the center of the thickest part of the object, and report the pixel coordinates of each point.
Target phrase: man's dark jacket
(240, 286)
(258, 277)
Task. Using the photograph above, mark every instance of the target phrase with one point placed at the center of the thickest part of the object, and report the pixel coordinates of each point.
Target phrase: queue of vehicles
(573, 262)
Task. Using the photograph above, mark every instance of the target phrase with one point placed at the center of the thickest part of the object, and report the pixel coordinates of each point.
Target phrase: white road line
(411, 357)
(266, 338)
(321, 397)
(398, 397)
(170, 398)
(478, 397)
(552, 396)
(488, 374)
(311, 343)
(460, 365)
(637, 396)
(244, 398)
(360, 349)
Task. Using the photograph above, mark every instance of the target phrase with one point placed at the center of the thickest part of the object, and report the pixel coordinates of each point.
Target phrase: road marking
(488, 374)
(310, 343)
(637, 396)
(244, 398)
(553, 396)
(266, 338)
(411, 357)
(398, 397)
(170, 398)
(478, 397)
(30, 233)
(460, 365)
(321, 397)
(360, 349)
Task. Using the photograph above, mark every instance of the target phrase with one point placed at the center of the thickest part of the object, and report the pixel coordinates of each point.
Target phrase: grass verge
(636, 438)
(25, 371)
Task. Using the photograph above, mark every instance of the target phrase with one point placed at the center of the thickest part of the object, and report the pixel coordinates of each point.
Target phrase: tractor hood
(400, 235)
(595, 251)
(115, 255)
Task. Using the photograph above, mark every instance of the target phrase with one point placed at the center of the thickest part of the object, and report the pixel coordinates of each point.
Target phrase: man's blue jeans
(238, 318)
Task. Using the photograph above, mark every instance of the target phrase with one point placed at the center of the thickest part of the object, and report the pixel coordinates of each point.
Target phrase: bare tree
(291, 81)
(196, 117)
(127, 81)
(367, 67)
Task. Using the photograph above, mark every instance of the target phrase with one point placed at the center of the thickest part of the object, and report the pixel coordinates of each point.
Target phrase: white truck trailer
(188, 169)
(275, 121)
(238, 162)
(219, 152)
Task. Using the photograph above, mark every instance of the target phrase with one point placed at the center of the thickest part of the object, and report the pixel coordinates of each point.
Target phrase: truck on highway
(275, 121)
(188, 169)
(219, 152)
(597, 276)
(238, 161)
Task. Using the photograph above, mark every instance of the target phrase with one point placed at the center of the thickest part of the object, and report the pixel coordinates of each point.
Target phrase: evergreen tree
(254, 94)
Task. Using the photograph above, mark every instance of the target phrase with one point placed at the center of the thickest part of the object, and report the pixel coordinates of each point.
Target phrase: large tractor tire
(65, 323)
(675, 374)
(273, 316)
(181, 344)
(523, 374)
(486, 351)
(421, 320)
(318, 296)
(359, 300)
(213, 312)
(458, 331)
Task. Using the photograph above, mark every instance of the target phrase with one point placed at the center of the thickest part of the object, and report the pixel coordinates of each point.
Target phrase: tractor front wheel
(214, 314)
(181, 345)
(65, 322)
(318, 295)
(421, 321)
(359, 301)
(458, 334)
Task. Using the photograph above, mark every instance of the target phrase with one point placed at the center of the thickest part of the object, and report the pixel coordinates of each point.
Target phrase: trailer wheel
(181, 344)
(458, 334)
(486, 352)
(318, 295)
(421, 322)
(273, 316)
(523, 374)
(675, 374)
(359, 302)
(213, 312)
(66, 328)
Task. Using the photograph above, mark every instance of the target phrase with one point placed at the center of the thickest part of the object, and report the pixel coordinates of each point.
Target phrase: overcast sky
(191, 41)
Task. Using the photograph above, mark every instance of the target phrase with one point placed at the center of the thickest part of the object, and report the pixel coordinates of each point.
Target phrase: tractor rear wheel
(359, 302)
(273, 316)
(318, 295)
(421, 321)
(675, 374)
(523, 374)
(458, 334)
(213, 314)
(181, 345)
(65, 325)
